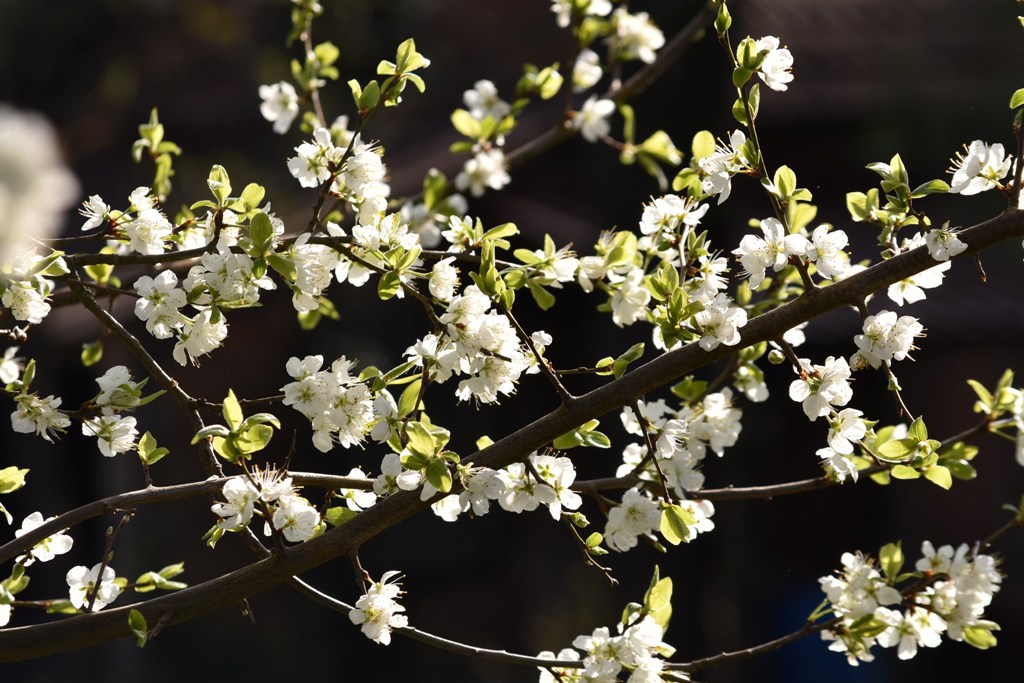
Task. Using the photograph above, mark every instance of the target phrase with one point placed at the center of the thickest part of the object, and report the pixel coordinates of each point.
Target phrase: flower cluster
(339, 407)
(479, 343)
(27, 287)
(378, 610)
(288, 513)
(955, 587)
(637, 649)
(885, 338)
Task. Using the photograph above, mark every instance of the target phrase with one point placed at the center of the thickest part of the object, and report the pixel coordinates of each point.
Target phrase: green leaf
(985, 400)
(466, 124)
(980, 636)
(137, 623)
(898, 449)
(740, 76)
(253, 195)
(149, 452)
(891, 559)
(261, 232)
(336, 516)
(420, 441)
(939, 475)
(1017, 99)
(739, 112)
(931, 187)
(675, 523)
(917, 430)
(543, 297)
(703, 145)
(904, 472)
(12, 478)
(92, 352)
(407, 401)
(785, 181)
(219, 184)
(438, 475)
(658, 600)
(388, 285)
(232, 411)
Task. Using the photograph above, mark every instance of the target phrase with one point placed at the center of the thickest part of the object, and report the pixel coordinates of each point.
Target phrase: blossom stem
(645, 426)
(112, 533)
(542, 363)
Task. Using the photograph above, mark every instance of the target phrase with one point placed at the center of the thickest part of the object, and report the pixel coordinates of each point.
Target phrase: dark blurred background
(919, 77)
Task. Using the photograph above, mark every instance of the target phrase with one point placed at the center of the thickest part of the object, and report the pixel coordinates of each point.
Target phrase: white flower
(357, 499)
(822, 386)
(845, 430)
(378, 610)
(202, 337)
(592, 118)
(563, 9)
(148, 230)
(943, 243)
(980, 169)
(638, 515)
(159, 304)
(885, 338)
(483, 101)
(95, 211)
(586, 72)
(240, 496)
(11, 366)
(776, 68)
(280, 105)
(911, 290)
(295, 518)
(916, 627)
(635, 36)
(444, 278)
(629, 302)
(825, 250)
(720, 322)
(117, 390)
(668, 213)
(756, 254)
(84, 583)
(39, 415)
(485, 169)
(837, 465)
(116, 434)
(720, 166)
(35, 185)
(313, 161)
(48, 548)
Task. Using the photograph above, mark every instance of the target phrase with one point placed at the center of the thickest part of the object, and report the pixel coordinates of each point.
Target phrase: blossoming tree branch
(733, 307)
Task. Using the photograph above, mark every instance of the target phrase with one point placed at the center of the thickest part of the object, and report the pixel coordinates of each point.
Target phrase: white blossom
(486, 169)
(46, 549)
(979, 167)
(592, 118)
(635, 36)
(776, 67)
(378, 610)
(280, 105)
(84, 583)
(116, 434)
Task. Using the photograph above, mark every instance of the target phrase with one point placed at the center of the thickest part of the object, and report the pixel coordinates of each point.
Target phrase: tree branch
(89, 629)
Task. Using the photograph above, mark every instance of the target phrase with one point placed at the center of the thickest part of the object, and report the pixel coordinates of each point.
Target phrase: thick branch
(89, 629)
